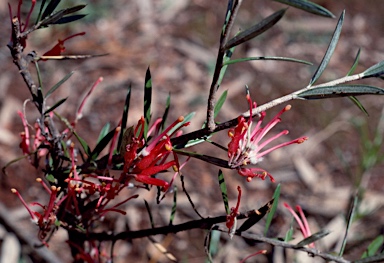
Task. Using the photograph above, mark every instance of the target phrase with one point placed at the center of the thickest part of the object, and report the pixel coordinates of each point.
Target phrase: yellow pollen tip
(53, 188)
(118, 129)
(174, 167)
(180, 119)
(13, 190)
(288, 107)
(249, 179)
(230, 134)
(73, 145)
(168, 147)
(38, 180)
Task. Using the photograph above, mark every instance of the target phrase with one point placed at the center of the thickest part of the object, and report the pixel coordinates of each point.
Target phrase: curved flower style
(59, 48)
(246, 145)
(302, 221)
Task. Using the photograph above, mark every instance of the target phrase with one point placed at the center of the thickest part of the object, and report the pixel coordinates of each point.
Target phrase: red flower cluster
(143, 164)
(246, 147)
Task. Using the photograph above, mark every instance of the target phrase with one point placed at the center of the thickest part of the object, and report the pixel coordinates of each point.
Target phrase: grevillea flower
(142, 163)
(247, 144)
(302, 221)
(59, 48)
(46, 219)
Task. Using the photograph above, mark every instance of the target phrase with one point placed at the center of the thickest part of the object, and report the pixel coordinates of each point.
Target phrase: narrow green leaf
(149, 214)
(51, 178)
(104, 131)
(350, 219)
(330, 50)
(355, 62)
(255, 30)
(40, 11)
(83, 144)
(206, 158)
(373, 247)
(255, 216)
(227, 16)
(53, 18)
(102, 144)
(276, 196)
(267, 58)
(50, 8)
(313, 238)
(289, 234)
(147, 100)
(358, 104)
(174, 206)
(124, 118)
(227, 57)
(308, 7)
(166, 111)
(374, 71)
(57, 104)
(220, 103)
(58, 84)
(224, 192)
(340, 91)
(69, 19)
(350, 72)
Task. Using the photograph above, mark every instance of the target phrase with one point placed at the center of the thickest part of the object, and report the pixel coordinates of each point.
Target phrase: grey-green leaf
(330, 50)
(266, 58)
(58, 84)
(313, 238)
(339, 91)
(374, 71)
(255, 30)
(308, 6)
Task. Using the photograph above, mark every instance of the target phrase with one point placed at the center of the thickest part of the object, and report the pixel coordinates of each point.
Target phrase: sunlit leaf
(83, 144)
(104, 131)
(308, 6)
(220, 103)
(50, 8)
(351, 217)
(276, 196)
(126, 139)
(255, 30)
(340, 91)
(330, 50)
(358, 104)
(374, 247)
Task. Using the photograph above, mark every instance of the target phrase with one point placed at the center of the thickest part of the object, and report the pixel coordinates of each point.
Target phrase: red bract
(59, 48)
(246, 146)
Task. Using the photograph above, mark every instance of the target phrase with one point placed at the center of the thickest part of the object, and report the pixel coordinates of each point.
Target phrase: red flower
(246, 146)
(59, 48)
(231, 218)
(143, 164)
(303, 223)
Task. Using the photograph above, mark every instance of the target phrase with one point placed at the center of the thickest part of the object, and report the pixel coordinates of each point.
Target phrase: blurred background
(179, 41)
